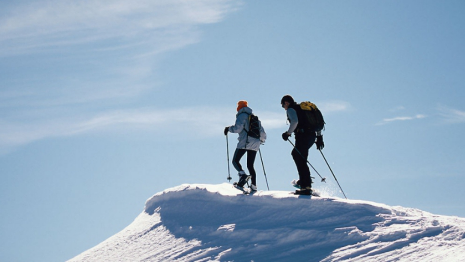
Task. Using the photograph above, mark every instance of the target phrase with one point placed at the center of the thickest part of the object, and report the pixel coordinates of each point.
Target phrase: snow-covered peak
(220, 223)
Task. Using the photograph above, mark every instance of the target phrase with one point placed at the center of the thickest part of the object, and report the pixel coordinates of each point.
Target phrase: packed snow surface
(220, 223)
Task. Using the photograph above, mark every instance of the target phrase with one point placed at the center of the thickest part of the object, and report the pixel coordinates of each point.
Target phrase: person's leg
(302, 168)
(303, 142)
(237, 157)
(243, 178)
(250, 162)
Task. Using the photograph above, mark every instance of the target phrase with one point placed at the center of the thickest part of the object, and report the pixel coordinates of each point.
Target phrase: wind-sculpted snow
(219, 223)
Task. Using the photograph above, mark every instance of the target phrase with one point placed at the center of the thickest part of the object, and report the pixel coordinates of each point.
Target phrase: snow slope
(219, 223)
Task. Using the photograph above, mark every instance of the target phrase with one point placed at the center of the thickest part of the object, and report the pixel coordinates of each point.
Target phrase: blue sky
(105, 103)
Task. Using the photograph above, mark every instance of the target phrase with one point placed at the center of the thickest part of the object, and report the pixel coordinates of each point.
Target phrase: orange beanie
(241, 104)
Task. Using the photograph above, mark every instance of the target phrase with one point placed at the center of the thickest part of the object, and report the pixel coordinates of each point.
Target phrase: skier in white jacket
(246, 144)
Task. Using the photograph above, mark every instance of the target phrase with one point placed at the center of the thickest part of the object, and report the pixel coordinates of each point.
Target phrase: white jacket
(241, 126)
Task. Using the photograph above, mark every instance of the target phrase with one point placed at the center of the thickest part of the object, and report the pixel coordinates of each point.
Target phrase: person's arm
(293, 120)
(241, 120)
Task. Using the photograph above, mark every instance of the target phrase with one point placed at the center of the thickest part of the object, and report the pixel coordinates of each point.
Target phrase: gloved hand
(286, 136)
(226, 130)
(319, 143)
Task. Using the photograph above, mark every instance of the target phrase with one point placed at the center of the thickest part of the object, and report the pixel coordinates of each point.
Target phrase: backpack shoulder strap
(246, 127)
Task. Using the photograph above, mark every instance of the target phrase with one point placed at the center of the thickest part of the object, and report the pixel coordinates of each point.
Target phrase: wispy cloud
(397, 108)
(14, 134)
(141, 120)
(85, 56)
(334, 106)
(157, 25)
(93, 51)
(447, 114)
(401, 118)
(451, 115)
(187, 121)
(273, 120)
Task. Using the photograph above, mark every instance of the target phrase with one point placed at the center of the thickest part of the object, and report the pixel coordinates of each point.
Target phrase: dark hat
(287, 98)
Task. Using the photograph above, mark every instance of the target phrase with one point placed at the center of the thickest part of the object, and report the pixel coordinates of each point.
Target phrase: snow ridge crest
(195, 222)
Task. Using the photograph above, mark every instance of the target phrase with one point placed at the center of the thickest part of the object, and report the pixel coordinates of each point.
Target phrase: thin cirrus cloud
(131, 34)
(99, 50)
(451, 115)
(334, 106)
(93, 51)
(13, 135)
(401, 118)
(446, 114)
(16, 134)
(156, 25)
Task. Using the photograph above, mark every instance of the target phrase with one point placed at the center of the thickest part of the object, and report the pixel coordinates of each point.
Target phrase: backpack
(311, 116)
(254, 126)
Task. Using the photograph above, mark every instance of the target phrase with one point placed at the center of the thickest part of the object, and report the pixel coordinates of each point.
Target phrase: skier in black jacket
(304, 139)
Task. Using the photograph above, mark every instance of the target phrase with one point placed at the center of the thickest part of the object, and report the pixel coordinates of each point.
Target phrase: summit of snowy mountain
(220, 223)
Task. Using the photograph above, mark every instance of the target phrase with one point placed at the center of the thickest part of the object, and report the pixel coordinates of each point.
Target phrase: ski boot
(243, 179)
(295, 183)
(307, 191)
(253, 188)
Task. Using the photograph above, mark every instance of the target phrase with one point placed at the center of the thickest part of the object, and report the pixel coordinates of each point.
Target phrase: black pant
(303, 142)
(250, 161)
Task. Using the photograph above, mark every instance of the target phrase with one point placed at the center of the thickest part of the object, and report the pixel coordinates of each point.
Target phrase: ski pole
(323, 179)
(266, 179)
(333, 173)
(227, 153)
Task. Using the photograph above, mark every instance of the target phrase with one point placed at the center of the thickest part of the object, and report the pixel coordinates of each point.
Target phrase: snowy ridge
(219, 223)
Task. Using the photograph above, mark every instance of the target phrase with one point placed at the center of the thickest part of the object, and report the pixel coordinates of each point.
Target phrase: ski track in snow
(220, 223)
